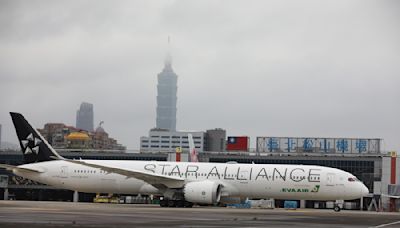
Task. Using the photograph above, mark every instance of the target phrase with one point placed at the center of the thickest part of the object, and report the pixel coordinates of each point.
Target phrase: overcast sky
(256, 68)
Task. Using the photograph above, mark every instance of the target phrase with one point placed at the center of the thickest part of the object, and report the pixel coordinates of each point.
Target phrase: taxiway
(63, 214)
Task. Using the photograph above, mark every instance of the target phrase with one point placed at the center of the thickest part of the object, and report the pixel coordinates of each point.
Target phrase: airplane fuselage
(238, 180)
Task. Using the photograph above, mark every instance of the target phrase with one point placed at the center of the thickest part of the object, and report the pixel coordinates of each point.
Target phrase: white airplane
(180, 183)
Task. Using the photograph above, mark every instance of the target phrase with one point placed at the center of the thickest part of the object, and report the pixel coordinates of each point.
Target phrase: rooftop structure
(318, 145)
(61, 136)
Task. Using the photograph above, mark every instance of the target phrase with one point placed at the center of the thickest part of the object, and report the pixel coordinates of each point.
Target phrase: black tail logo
(34, 147)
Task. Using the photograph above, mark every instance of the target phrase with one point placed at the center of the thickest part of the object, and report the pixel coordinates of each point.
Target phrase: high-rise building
(215, 140)
(84, 117)
(166, 97)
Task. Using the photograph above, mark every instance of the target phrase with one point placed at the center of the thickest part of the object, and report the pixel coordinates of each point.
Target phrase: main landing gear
(338, 205)
(175, 203)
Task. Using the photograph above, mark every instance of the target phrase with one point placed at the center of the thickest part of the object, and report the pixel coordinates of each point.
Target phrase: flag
(240, 143)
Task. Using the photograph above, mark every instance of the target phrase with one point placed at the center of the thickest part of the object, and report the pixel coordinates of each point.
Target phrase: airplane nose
(364, 190)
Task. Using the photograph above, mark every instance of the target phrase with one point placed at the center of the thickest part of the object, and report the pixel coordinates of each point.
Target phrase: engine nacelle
(204, 192)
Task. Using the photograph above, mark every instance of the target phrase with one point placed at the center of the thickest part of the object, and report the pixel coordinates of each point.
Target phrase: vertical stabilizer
(192, 150)
(34, 147)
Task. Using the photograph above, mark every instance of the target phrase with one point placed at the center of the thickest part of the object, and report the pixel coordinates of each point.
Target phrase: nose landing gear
(338, 205)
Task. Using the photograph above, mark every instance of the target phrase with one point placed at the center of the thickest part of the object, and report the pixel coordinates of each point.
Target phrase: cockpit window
(352, 179)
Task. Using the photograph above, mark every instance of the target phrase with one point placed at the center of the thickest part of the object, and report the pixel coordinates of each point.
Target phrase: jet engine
(203, 192)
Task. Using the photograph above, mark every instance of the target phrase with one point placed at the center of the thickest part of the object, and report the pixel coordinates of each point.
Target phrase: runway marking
(387, 224)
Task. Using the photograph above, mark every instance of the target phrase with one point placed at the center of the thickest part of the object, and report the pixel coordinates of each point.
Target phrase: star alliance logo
(31, 144)
(315, 189)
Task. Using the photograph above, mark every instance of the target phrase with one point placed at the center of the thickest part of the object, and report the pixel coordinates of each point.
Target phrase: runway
(34, 214)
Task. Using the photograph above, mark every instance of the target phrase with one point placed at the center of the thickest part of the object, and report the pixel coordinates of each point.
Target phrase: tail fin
(34, 147)
(192, 148)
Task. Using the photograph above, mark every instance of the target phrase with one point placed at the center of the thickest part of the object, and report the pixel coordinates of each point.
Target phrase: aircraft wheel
(163, 203)
(336, 208)
(171, 203)
(188, 204)
(180, 203)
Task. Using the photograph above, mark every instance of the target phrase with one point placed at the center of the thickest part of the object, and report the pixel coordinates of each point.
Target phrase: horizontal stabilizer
(12, 167)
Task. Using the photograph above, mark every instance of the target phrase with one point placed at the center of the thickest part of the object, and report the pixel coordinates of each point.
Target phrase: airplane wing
(158, 181)
(12, 167)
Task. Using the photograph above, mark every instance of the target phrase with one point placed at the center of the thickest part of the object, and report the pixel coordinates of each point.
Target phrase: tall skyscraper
(84, 117)
(0, 136)
(166, 96)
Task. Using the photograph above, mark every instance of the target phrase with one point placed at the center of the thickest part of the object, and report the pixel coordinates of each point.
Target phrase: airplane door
(64, 171)
(337, 189)
(330, 179)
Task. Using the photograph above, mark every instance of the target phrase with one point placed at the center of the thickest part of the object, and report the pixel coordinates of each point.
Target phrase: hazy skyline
(259, 68)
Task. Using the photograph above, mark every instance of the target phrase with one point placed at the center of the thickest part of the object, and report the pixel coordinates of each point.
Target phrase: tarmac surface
(34, 214)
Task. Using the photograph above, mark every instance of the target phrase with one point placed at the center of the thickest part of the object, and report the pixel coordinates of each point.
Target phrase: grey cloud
(307, 68)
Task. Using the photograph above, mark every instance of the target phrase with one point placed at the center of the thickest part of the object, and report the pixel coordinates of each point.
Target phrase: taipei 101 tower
(166, 96)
